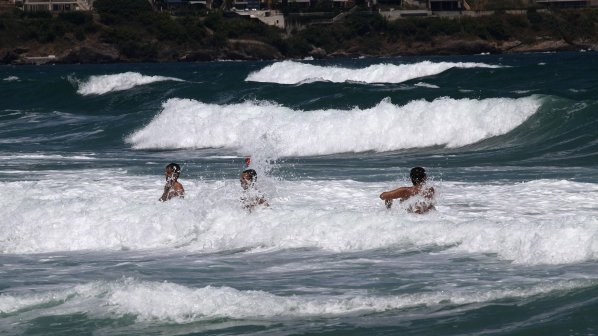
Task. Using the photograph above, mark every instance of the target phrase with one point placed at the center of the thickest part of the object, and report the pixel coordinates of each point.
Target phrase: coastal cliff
(148, 36)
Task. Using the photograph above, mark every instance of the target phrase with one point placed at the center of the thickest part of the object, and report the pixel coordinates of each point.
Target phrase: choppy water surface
(510, 144)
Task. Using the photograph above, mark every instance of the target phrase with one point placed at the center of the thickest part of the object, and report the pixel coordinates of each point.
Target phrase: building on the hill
(56, 5)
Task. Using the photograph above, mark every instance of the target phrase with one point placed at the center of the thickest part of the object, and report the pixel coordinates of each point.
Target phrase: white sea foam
(540, 222)
(256, 126)
(102, 84)
(11, 79)
(45, 157)
(426, 85)
(291, 72)
(163, 301)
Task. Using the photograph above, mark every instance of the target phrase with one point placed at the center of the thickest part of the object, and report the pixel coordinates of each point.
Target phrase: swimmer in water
(172, 188)
(251, 197)
(422, 194)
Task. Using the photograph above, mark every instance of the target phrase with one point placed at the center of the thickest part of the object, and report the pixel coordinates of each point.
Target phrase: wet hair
(418, 175)
(175, 167)
(252, 174)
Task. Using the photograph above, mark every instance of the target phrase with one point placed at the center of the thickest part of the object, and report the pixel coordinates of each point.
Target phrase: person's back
(418, 199)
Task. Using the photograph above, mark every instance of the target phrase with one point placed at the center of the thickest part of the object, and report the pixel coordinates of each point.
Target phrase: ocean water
(510, 143)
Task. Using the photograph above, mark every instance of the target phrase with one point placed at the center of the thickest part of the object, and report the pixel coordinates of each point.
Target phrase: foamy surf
(251, 126)
(46, 157)
(102, 84)
(291, 72)
(163, 301)
(108, 210)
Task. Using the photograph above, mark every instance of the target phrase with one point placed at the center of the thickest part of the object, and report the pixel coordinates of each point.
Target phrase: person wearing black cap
(420, 196)
(172, 188)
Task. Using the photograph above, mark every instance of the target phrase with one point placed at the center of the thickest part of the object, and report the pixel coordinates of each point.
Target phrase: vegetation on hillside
(368, 33)
(139, 33)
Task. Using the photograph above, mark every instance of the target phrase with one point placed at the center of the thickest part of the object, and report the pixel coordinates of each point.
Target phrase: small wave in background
(102, 84)
(292, 72)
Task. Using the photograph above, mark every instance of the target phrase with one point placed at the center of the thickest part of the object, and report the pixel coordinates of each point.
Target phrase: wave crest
(102, 84)
(290, 72)
(251, 126)
(162, 301)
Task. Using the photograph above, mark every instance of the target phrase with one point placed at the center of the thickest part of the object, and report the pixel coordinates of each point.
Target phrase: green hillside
(132, 31)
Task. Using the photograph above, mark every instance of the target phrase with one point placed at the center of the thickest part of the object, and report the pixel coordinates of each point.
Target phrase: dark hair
(175, 167)
(418, 175)
(252, 173)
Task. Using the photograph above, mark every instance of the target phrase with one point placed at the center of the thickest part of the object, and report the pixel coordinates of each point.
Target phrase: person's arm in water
(404, 193)
(164, 196)
(262, 201)
(401, 193)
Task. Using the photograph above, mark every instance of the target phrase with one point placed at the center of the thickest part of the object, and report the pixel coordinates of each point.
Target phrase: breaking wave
(102, 84)
(252, 126)
(290, 72)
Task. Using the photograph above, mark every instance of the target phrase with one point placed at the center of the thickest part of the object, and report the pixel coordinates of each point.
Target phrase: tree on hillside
(129, 8)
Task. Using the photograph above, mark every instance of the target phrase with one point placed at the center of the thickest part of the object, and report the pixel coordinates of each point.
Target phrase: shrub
(46, 37)
(138, 50)
(123, 9)
(298, 46)
(79, 35)
(533, 17)
(497, 28)
(194, 29)
(516, 22)
(217, 40)
(38, 15)
(213, 20)
(76, 17)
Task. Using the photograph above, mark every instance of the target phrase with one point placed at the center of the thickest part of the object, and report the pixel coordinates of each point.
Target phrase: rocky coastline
(90, 52)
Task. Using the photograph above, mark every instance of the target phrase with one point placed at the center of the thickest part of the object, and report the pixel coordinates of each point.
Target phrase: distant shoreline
(90, 54)
(81, 38)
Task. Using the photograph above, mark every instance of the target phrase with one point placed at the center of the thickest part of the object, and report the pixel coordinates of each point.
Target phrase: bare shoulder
(178, 190)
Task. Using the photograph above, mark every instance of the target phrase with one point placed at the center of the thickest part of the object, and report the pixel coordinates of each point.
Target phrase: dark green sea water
(510, 143)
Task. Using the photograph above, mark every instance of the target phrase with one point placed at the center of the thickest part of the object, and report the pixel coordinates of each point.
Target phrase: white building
(56, 5)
